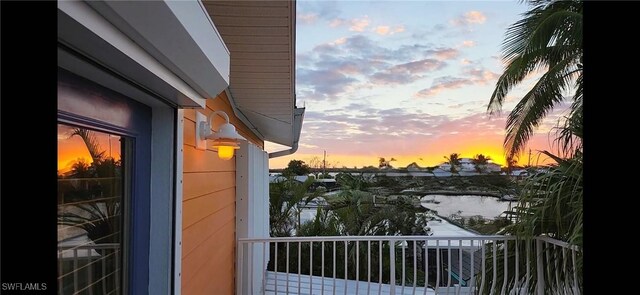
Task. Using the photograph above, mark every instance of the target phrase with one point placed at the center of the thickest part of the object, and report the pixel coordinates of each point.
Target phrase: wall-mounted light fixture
(225, 140)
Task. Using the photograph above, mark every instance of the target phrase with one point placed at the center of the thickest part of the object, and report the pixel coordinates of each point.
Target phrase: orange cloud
(468, 43)
(471, 17)
(387, 30)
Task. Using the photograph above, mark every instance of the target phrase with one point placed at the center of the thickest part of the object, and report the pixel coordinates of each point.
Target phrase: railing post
(392, 264)
(539, 267)
(239, 268)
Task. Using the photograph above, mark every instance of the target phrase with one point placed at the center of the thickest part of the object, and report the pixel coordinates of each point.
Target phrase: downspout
(298, 116)
(290, 151)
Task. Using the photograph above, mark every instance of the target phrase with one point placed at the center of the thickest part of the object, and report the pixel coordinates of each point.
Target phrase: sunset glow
(72, 149)
(409, 80)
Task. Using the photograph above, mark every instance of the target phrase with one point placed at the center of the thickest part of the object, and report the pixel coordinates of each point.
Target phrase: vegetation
(480, 162)
(454, 161)
(284, 199)
(296, 167)
(548, 37)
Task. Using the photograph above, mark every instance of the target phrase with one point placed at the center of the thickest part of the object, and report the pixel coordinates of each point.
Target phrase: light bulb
(225, 152)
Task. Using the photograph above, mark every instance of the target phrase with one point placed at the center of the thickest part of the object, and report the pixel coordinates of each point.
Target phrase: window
(91, 200)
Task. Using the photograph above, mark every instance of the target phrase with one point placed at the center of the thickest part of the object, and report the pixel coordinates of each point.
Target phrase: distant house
(468, 168)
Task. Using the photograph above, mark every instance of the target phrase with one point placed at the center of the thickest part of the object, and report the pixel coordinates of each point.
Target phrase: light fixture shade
(225, 152)
(227, 131)
(225, 140)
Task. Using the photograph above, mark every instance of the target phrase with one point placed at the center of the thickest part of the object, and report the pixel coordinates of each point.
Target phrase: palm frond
(534, 106)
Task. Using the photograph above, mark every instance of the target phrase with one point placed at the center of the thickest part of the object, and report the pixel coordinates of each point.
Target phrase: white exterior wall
(252, 210)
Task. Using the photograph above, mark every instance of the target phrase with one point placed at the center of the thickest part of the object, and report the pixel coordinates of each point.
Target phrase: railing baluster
(564, 268)
(346, 265)
(403, 265)
(310, 265)
(117, 271)
(380, 255)
(264, 267)
(528, 274)
(240, 266)
(548, 275)
(287, 269)
(322, 271)
(505, 266)
(426, 266)
(299, 265)
(472, 280)
(75, 272)
(460, 274)
(368, 266)
(576, 290)
(540, 271)
(438, 265)
(60, 270)
(334, 267)
(104, 271)
(275, 267)
(90, 271)
(448, 264)
(392, 265)
(517, 262)
(484, 265)
(415, 267)
(555, 264)
(357, 253)
(250, 258)
(495, 267)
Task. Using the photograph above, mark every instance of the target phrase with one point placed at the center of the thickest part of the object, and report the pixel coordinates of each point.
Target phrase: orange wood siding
(208, 209)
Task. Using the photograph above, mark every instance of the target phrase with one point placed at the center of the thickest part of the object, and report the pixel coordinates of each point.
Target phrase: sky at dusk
(408, 80)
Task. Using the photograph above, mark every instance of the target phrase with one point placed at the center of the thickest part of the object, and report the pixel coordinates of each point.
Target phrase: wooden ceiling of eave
(259, 36)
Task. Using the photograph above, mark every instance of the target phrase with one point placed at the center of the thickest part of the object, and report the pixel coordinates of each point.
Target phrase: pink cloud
(475, 17)
(387, 30)
(444, 53)
(471, 17)
(442, 84)
(307, 18)
(468, 43)
(356, 24)
(359, 24)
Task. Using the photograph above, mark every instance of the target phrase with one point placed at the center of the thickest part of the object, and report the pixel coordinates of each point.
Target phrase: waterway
(487, 207)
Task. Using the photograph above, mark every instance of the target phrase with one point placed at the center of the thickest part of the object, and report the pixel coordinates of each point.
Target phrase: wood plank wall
(208, 209)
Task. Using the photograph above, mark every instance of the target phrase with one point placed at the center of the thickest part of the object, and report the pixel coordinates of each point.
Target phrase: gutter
(298, 116)
(240, 115)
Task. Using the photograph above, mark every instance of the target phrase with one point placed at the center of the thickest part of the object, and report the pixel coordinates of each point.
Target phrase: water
(487, 207)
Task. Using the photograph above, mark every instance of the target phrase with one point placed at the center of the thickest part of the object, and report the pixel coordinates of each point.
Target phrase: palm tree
(454, 161)
(548, 38)
(284, 197)
(480, 162)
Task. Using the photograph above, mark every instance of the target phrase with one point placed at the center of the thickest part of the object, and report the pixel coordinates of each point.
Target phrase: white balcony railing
(407, 265)
(89, 269)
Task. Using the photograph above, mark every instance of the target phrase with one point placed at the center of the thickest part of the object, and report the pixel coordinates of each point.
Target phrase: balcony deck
(305, 284)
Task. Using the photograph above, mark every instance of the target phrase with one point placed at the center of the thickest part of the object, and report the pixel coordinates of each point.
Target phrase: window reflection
(90, 198)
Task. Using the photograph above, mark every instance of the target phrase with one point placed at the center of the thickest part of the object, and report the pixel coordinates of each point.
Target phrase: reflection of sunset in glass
(72, 149)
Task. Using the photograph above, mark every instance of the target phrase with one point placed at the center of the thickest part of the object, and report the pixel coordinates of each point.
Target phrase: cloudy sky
(408, 80)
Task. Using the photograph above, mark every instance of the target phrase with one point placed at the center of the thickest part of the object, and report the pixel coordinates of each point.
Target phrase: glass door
(92, 196)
